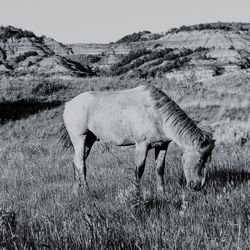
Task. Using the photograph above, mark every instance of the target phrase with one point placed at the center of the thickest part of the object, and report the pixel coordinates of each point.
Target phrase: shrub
(201, 49)
(218, 70)
(2, 54)
(122, 66)
(245, 64)
(157, 45)
(47, 88)
(135, 37)
(135, 59)
(139, 36)
(211, 26)
(93, 58)
(10, 31)
(22, 57)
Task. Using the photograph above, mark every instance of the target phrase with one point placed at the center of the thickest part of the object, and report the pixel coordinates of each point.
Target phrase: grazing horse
(143, 116)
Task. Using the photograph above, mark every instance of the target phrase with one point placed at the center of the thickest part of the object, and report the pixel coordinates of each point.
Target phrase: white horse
(143, 116)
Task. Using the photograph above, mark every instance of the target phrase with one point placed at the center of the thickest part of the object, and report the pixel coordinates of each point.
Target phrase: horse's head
(194, 164)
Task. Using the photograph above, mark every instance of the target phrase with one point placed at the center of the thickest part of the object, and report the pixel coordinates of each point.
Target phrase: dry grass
(39, 210)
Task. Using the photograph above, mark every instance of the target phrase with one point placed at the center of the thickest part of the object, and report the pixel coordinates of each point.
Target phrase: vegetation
(79, 69)
(160, 61)
(212, 26)
(120, 67)
(244, 63)
(85, 59)
(22, 57)
(47, 88)
(218, 70)
(138, 37)
(12, 32)
(39, 210)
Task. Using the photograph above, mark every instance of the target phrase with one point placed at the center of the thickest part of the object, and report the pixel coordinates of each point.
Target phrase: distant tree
(218, 70)
(93, 58)
(10, 31)
(2, 54)
(231, 47)
(244, 63)
(157, 45)
(138, 36)
(201, 49)
(25, 55)
(212, 26)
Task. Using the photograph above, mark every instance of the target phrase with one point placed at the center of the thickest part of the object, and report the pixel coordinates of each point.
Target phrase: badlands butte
(201, 50)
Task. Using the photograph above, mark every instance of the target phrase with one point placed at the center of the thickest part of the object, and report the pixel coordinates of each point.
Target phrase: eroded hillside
(210, 50)
(219, 48)
(22, 53)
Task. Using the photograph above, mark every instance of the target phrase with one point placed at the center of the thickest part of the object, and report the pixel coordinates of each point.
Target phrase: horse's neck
(185, 142)
(186, 145)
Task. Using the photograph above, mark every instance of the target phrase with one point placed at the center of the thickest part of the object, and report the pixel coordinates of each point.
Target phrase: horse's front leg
(160, 154)
(140, 160)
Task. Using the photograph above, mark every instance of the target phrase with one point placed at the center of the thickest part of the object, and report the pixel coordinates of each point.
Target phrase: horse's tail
(64, 139)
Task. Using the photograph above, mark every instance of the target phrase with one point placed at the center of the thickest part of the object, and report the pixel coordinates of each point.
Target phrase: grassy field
(38, 209)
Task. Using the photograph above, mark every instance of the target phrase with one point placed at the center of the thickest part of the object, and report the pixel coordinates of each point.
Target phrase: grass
(38, 209)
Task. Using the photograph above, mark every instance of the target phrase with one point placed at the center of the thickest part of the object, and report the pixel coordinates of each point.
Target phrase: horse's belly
(111, 131)
(124, 129)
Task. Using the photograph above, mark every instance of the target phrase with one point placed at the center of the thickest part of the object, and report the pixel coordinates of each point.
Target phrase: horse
(143, 116)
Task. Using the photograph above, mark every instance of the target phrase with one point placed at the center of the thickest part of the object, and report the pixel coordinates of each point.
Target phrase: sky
(104, 21)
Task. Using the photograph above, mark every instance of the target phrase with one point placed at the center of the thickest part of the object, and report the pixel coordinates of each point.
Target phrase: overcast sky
(103, 21)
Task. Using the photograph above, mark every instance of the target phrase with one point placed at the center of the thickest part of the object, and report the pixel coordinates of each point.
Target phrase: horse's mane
(183, 127)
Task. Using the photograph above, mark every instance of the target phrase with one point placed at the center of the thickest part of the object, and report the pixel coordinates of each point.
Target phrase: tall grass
(38, 209)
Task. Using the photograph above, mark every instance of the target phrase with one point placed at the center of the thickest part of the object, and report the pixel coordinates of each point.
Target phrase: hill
(139, 37)
(217, 48)
(23, 53)
(199, 51)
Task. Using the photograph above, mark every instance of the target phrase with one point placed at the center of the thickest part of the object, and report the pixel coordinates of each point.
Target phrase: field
(38, 209)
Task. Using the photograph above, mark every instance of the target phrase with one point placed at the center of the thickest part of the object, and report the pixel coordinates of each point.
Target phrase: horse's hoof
(161, 191)
(79, 189)
(75, 189)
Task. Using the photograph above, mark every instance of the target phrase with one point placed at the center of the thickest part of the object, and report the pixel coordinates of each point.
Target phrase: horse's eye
(200, 161)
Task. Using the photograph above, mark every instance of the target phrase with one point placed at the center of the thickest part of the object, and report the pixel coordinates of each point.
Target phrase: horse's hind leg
(79, 147)
(82, 145)
(89, 141)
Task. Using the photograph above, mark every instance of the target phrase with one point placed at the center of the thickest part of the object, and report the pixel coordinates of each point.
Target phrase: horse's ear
(209, 158)
(213, 143)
